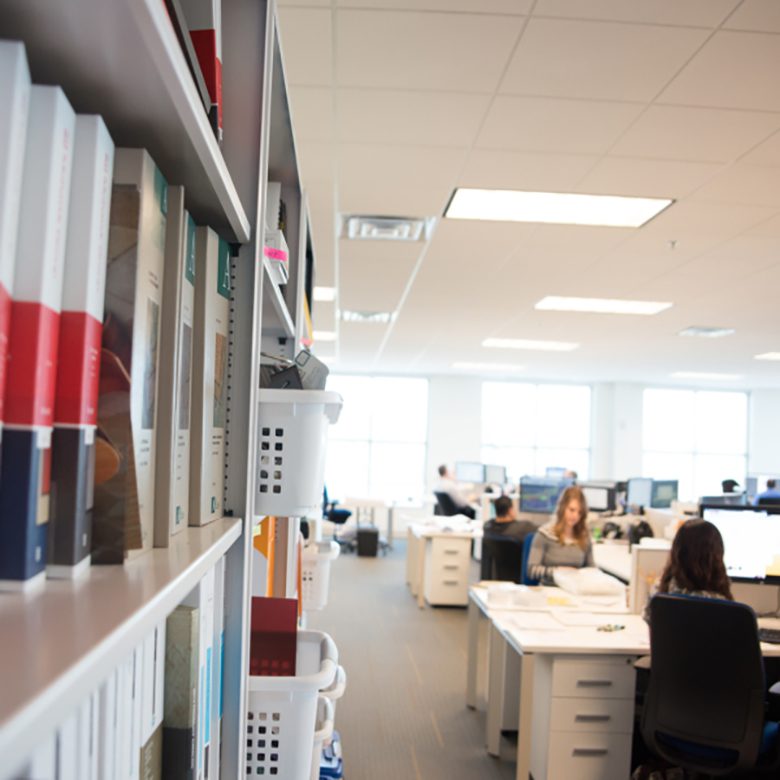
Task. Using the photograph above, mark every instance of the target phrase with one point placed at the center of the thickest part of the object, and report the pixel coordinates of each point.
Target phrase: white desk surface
(430, 528)
(550, 599)
(613, 558)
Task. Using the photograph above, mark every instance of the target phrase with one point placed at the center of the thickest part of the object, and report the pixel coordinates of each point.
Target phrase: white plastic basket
(315, 573)
(282, 711)
(323, 733)
(292, 436)
(336, 690)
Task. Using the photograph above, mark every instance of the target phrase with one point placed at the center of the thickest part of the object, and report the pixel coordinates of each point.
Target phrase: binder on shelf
(180, 721)
(127, 402)
(218, 668)
(81, 325)
(136, 711)
(88, 738)
(32, 353)
(68, 748)
(15, 99)
(152, 704)
(204, 20)
(175, 386)
(107, 728)
(209, 393)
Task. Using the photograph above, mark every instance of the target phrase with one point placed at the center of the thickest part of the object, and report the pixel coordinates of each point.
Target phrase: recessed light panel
(768, 356)
(561, 208)
(707, 333)
(705, 375)
(600, 305)
(382, 317)
(540, 346)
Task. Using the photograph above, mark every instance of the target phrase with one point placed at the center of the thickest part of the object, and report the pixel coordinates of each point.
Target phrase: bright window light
(768, 356)
(600, 305)
(324, 294)
(540, 346)
(465, 366)
(560, 208)
(704, 375)
(324, 335)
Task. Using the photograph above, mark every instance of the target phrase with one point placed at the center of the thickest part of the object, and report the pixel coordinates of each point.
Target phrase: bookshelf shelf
(277, 321)
(64, 640)
(121, 59)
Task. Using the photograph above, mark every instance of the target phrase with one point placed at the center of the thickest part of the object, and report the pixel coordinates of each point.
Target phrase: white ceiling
(397, 102)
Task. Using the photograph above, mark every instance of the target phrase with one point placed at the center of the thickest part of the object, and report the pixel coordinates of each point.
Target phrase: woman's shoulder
(547, 531)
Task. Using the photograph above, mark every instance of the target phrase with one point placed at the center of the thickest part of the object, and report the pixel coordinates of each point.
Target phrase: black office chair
(449, 508)
(336, 516)
(769, 501)
(502, 558)
(705, 702)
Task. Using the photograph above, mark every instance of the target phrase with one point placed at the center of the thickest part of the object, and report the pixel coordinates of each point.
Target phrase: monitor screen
(469, 472)
(495, 475)
(751, 486)
(541, 495)
(554, 472)
(663, 493)
(751, 541)
(600, 498)
(726, 499)
(639, 491)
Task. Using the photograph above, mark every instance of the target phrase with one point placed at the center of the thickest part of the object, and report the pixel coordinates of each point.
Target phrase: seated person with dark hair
(503, 543)
(770, 492)
(506, 523)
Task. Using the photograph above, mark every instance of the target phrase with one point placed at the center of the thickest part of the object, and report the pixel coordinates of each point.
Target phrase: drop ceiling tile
(537, 171)
(767, 153)
(743, 184)
(312, 113)
(598, 60)
(359, 343)
(555, 125)
(452, 6)
(696, 13)
(732, 70)
(316, 162)
(406, 50)
(695, 134)
(445, 119)
(756, 15)
(646, 178)
(708, 222)
(306, 35)
(396, 180)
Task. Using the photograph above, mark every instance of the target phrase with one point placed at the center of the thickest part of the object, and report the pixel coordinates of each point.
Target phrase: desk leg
(526, 714)
(473, 655)
(421, 553)
(503, 677)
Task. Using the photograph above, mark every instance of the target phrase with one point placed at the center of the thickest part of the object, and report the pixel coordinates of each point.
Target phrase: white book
(136, 713)
(88, 738)
(175, 386)
(202, 598)
(107, 728)
(209, 387)
(218, 668)
(68, 748)
(15, 99)
(153, 652)
(124, 718)
(43, 764)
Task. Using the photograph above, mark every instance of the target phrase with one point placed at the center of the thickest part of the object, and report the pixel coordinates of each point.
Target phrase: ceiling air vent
(362, 228)
(706, 332)
(382, 317)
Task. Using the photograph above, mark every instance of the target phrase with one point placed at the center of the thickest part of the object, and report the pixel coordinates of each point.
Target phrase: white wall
(764, 432)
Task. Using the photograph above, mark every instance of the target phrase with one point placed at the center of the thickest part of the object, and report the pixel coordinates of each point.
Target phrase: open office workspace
(389, 389)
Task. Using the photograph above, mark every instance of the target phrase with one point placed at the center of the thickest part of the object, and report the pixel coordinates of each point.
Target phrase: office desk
(438, 562)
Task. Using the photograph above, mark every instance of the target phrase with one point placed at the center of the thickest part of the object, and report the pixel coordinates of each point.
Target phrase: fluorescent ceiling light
(382, 317)
(324, 335)
(324, 294)
(561, 208)
(600, 305)
(706, 332)
(704, 375)
(488, 366)
(768, 356)
(541, 346)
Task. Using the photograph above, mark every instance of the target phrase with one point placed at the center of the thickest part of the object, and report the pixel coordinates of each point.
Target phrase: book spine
(75, 410)
(107, 725)
(15, 97)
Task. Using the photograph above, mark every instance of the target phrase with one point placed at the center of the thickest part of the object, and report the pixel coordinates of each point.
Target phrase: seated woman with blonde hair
(563, 542)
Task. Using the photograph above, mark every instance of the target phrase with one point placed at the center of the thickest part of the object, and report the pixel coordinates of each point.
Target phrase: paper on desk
(534, 621)
(581, 619)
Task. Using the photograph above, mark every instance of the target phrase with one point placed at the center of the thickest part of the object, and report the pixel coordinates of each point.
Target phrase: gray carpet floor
(403, 714)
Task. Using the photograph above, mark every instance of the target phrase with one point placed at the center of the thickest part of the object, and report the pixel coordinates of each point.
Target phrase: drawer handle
(590, 752)
(452, 552)
(451, 582)
(452, 566)
(594, 683)
(592, 718)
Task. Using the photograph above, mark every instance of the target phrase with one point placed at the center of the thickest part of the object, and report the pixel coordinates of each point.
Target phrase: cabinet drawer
(449, 569)
(597, 715)
(594, 678)
(452, 592)
(589, 756)
(445, 551)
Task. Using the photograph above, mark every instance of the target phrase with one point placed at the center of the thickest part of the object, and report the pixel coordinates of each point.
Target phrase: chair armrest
(773, 702)
(642, 663)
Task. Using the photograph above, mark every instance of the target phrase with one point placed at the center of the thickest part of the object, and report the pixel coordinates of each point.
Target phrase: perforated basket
(335, 691)
(282, 712)
(315, 573)
(292, 435)
(324, 731)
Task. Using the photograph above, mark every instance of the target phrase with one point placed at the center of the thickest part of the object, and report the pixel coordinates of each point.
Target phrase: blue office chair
(336, 516)
(706, 697)
(527, 542)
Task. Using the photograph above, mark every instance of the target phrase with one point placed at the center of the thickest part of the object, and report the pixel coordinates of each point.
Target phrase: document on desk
(581, 619)
(534, 621)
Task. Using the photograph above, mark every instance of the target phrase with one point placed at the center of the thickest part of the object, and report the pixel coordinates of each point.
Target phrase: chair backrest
(527, 542)
(447, 506)
(705, 701)
(505, 554)
(769, 501)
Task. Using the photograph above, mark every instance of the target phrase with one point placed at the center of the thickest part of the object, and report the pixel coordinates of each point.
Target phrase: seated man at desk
(770, 492)
(564, 541)
(506, 523)
(446, 484)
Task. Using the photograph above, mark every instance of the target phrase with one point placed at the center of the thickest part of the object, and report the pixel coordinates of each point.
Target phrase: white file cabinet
(584, 716)
(446, 578)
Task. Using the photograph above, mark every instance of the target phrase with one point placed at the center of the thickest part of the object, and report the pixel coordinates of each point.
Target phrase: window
(529, 427)
(377, 448)
(696, 437)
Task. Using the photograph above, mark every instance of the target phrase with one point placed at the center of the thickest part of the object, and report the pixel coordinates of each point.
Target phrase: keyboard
(771, 635)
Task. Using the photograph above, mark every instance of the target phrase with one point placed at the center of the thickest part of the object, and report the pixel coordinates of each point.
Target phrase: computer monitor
(663, 493)
(538, 494)
(495, 475)
(601, 496)
(639, 491)
(725, 499)
(751, 541)
(466, 471)
(751, 486)
(554, 472)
